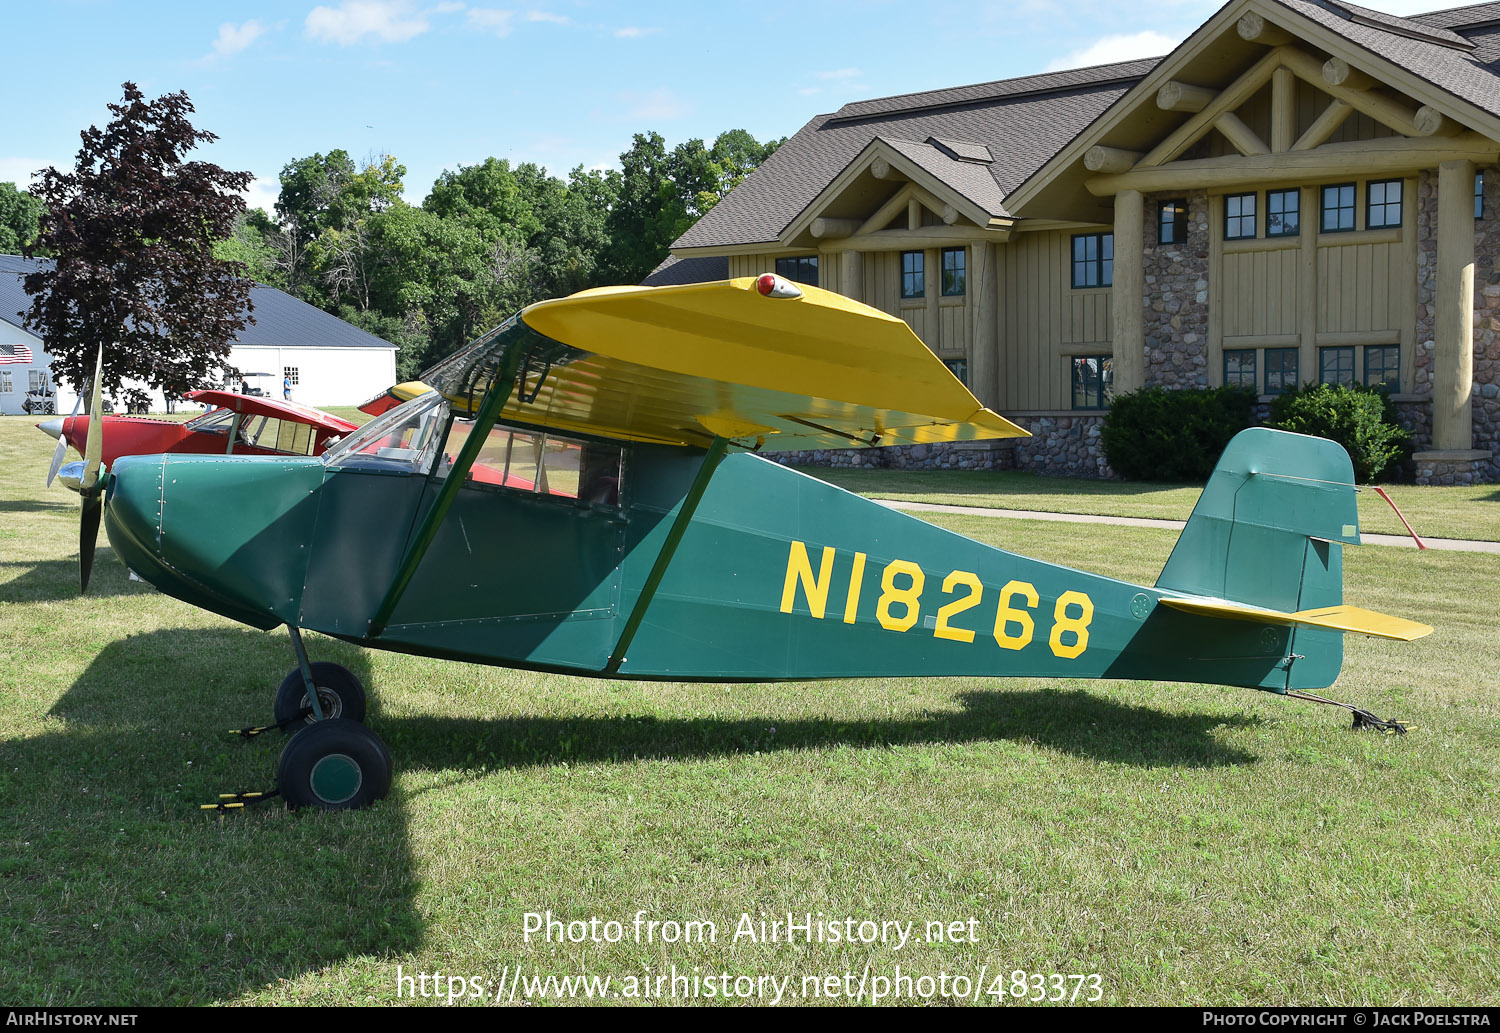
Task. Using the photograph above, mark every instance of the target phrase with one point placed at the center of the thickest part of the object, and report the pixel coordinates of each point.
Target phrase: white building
(328, 361)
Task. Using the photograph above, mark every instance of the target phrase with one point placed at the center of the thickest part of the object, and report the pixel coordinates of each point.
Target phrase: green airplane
(584, 490)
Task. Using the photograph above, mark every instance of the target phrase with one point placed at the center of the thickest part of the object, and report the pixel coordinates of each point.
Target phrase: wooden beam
(1109, 159)
(1283, 110)
(1255, 29)
(1398, 116)
(852, 275)
(1338, 72)
(1384, 156)
(1231, 97)
(949, 214)
(1325, 125)
(914, 214)
(1432, 122)
(1181, 96)
(1242, 136)
(831, 229)
(926, 237)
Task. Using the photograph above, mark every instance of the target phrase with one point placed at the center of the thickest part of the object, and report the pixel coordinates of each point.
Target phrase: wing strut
(668, 549)
(489, 411)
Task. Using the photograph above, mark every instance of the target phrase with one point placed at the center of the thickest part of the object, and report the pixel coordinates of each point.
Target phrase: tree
(133, 229)
(20, 219)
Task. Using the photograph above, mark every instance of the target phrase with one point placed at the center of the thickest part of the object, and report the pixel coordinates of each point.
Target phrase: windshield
(215, 421)
(402, 439)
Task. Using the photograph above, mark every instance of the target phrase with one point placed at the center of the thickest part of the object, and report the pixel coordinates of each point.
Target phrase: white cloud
(634, 32)
(234, 38)
(492, 20)
(263, 194)
(386, 21)
(548, 16)
(448, 8)
(655, 104)
(1116, 48)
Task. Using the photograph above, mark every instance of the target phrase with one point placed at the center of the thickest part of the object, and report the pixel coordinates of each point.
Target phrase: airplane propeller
(58, 425)
(89, 484)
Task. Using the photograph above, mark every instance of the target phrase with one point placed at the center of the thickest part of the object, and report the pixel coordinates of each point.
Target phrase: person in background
(286, 388)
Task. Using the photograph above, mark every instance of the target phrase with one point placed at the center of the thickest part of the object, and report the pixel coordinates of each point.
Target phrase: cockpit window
(215, 421)
(402, 439)
(537, 462)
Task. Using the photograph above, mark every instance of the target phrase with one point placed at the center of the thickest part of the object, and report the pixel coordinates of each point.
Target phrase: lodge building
(1302, 191)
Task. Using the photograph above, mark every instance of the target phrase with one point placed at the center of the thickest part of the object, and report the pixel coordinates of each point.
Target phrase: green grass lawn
(1471, 513)
(1190, 844)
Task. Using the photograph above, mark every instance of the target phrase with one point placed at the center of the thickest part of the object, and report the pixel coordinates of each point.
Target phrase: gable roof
(280, 319)
(1426, 56)
(1021, 122)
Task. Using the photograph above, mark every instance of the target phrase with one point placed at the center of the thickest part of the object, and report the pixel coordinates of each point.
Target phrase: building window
(1094, 260)
(36, 380)
(1283, 213)
(7, 382)
(1383, 366)
(913, 275)
(1239, 368)
(1382, 203)
(1479, 195)
(1093, 381)
(802, 269)
(1338, 208)
(1171, 222)
(1281, 369)
(955, 278)
(1239, 216)
(1336, 365)
(959, 368)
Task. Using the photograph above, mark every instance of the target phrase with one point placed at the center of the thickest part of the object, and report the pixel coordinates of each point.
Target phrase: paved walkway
(1398, 540)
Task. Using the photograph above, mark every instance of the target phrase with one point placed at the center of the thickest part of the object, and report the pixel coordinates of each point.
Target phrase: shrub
(1160, 435)
(1362, 419)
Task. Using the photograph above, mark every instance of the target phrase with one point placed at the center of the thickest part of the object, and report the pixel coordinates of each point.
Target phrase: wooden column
(984, 298)
(1453, 304)
(1129, 290)
(852, 275)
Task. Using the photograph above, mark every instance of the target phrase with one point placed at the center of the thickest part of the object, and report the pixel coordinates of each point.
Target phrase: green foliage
(1362, 419)
(1160, 435)
(19, 219)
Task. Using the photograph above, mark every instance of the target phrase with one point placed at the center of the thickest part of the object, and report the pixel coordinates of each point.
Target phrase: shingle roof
(676, 270)
(280, 319)
(1466, 73)
(1022, 121)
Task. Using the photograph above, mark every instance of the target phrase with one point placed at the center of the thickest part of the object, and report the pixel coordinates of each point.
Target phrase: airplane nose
(53, 428)
(134, 507)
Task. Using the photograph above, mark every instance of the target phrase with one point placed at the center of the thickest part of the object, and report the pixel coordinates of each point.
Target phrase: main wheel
(340, 694)
(335, 764)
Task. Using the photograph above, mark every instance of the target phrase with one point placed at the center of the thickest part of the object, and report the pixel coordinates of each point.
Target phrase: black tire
(334, 765)
(340, 694)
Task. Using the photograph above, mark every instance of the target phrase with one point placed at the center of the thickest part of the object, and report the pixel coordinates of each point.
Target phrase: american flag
(15, 355)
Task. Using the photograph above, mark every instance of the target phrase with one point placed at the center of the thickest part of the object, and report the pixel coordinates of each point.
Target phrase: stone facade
(958, 455)
(1176, 301)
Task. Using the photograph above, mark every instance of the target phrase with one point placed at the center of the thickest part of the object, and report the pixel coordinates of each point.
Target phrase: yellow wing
(682, 365)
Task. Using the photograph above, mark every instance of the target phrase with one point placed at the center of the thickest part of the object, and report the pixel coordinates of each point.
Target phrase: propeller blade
(62, 437)
(88, 537)
(93, 453)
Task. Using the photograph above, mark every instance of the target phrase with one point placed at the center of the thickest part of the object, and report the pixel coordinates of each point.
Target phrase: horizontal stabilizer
(1336, 618)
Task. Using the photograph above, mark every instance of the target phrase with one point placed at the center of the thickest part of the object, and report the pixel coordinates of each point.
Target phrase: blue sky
(561, 83)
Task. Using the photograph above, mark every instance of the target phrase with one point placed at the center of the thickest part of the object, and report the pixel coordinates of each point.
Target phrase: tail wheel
(335, 765)
(340, 694)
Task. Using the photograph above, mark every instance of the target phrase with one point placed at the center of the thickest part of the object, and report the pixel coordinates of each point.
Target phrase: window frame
(794, 267)
(962, 254)
(1394, 383)
(1254, 217)
(914, 280)
(1295, 194)
(1177, 224)
(1103, 268)
(1340, 352)
(1253, 384)
(1281, 353)
(1105, 382)
(1353, 208)
(1478, 195)
(959, 367)
(1385, 205)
